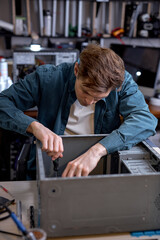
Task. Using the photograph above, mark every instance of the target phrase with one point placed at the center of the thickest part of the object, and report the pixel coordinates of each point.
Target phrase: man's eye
(85, 92)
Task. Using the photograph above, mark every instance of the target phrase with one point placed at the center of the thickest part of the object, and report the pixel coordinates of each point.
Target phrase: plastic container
(39, 233)
(47, 23)
(3, 68)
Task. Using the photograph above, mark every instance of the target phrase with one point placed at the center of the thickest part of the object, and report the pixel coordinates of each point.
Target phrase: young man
(86, 97)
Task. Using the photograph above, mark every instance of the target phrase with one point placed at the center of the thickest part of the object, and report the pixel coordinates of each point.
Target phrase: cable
(21, 227)
(3, 218)
(10, 233)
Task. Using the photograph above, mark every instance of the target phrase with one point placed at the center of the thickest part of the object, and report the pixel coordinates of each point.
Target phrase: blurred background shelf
(78, 21)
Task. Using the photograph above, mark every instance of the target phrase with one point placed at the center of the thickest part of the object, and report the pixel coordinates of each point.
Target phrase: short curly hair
(101, 68)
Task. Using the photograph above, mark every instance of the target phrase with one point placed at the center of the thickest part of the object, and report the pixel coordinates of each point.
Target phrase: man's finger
(61, 147)
(78, 172)
(44, 145)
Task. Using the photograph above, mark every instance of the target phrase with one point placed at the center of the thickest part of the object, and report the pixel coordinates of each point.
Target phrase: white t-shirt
(81, 119)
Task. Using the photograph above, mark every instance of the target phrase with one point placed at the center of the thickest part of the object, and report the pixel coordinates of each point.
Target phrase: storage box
(113, 199)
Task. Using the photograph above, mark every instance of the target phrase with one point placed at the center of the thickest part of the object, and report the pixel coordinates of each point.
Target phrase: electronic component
(25, 61)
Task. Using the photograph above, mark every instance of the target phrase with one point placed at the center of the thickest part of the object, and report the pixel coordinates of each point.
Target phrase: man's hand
(85, 163)
(51, 143)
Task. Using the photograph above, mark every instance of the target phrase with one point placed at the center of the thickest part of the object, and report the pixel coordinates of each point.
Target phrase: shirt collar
(72, 80)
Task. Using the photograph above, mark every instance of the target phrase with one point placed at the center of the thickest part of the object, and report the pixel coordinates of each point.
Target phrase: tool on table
(32, 221)
(27, 235)
(19, 209)
(5, 202)
(4, 189)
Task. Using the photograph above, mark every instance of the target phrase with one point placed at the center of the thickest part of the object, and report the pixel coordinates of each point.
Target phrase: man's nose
(90, 101)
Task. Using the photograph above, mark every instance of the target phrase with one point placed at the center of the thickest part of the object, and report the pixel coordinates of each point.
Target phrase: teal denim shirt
(51, 89)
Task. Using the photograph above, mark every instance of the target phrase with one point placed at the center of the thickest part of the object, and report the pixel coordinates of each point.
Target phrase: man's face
(86, 96)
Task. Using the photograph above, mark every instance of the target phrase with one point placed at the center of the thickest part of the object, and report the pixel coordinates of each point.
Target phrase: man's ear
(76, 69)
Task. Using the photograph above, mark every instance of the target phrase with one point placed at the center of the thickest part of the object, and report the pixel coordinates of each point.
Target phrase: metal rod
(54, 15)
(67, 19)
(80, 19)
(41, 17)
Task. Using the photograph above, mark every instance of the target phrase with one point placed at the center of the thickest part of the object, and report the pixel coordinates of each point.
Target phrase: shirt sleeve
(138, 123)
(16, 99)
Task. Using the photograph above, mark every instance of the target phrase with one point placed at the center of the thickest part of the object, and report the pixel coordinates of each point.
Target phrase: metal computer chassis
(122, 194)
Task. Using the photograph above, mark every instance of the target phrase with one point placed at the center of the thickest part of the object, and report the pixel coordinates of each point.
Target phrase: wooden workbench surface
(26, 192)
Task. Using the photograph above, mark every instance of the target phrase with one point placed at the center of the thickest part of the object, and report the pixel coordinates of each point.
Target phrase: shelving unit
(93, 20)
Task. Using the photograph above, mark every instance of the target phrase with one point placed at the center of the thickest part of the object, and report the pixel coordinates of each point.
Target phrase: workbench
(26, 192)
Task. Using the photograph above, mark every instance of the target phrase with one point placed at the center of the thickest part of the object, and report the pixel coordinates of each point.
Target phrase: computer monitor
(143, 63)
